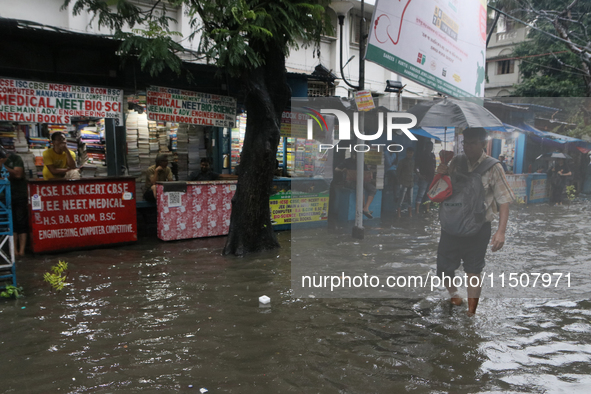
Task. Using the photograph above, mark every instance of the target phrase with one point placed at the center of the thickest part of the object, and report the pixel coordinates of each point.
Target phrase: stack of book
(163, 138)
(38, 142)
(195, 137)
(93, 150)
(173, 127)
(153, 140)
(7, 135)
(38, 158)
(133, 152)
(20, 142)
(30, 167)
(52, 128)
(144, 142)
(144, 152)
(182, 151)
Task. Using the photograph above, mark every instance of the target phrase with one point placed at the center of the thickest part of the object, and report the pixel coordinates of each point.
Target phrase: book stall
(186, 209)
(177, 123)
(30, 112)
(68, 214)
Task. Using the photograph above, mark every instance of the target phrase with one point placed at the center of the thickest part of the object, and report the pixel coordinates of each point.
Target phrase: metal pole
(358, 230)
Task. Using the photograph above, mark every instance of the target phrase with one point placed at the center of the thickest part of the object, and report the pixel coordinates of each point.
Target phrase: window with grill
(505, 67)
(320, 89)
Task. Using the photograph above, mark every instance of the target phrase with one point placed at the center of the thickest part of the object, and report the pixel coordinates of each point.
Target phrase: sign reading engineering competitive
(439, 44)
(82, 213)
(43, 102)
(185, 106)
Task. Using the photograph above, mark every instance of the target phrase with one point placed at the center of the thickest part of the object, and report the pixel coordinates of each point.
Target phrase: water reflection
(163, 316)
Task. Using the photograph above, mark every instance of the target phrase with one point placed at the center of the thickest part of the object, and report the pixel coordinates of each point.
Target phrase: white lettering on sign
(85, 231)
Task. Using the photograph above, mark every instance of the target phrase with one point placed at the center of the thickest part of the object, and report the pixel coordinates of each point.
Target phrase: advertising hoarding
(440, 44)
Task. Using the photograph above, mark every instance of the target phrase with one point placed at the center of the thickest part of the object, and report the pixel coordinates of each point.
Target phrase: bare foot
(470, 314)
(457, 301)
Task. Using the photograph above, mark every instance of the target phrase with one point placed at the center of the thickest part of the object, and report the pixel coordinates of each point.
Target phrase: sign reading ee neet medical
(43, 102)
(82, 213)
(185, 106)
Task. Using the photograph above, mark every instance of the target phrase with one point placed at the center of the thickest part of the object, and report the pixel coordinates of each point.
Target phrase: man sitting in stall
(159, 172)
(206, 173)
(58, 160)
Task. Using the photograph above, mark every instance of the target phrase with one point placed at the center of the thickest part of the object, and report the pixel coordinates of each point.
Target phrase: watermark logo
(391, 119)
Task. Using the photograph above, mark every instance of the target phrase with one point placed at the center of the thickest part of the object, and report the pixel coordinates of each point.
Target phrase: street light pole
(342, 8)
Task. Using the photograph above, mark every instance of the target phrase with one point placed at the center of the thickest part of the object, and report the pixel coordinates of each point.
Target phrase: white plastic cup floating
(264, 300)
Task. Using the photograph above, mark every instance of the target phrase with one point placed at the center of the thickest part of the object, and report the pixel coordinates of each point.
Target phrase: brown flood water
(177, 317)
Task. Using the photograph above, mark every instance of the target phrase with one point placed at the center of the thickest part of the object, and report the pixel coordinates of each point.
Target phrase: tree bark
(267, 96)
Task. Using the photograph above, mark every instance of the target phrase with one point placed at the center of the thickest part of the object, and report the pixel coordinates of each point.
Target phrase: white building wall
(501, 47)
(303, 60)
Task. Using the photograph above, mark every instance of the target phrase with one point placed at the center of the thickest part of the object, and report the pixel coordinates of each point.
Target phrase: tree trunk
(267, 96)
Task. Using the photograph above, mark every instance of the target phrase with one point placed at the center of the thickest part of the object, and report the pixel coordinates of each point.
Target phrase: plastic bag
(440, 188)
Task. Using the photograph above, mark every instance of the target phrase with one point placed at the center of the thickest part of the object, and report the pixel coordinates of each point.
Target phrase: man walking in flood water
(472, 249)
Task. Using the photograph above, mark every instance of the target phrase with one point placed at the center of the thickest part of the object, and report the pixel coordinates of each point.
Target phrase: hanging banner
(188, 107)
(438, 44)
(44, 102)
(364, 101)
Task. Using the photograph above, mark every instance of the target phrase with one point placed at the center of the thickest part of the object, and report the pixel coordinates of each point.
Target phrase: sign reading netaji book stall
(438, 44)
(44, 102)
(185, 106)
(82, 213)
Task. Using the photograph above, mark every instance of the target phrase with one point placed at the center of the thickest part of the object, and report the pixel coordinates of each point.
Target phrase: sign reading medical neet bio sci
(82, 213)
(438, 44)
(43, 102)
(185, 106)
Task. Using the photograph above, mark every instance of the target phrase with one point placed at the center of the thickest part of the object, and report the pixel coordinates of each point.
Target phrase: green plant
(57, 278)
(570, 194)
(435, 205)
(12, 292)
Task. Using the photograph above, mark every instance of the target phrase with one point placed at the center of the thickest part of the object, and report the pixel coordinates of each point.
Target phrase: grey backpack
(464, 212)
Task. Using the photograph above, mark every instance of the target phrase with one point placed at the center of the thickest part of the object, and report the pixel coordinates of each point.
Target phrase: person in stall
(15, 167)
(558, 176)
(159, 172)
(58, 160)
(206, 173)
(503, 164)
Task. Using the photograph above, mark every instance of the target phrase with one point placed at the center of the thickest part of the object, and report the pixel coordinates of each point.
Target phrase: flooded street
(177, 317)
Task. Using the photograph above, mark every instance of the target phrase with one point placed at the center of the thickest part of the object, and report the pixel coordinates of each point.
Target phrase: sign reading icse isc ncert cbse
(440, 44)
(44, 102)
(82, 213)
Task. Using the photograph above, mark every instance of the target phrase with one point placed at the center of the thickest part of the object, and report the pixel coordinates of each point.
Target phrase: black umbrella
(450, 112)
